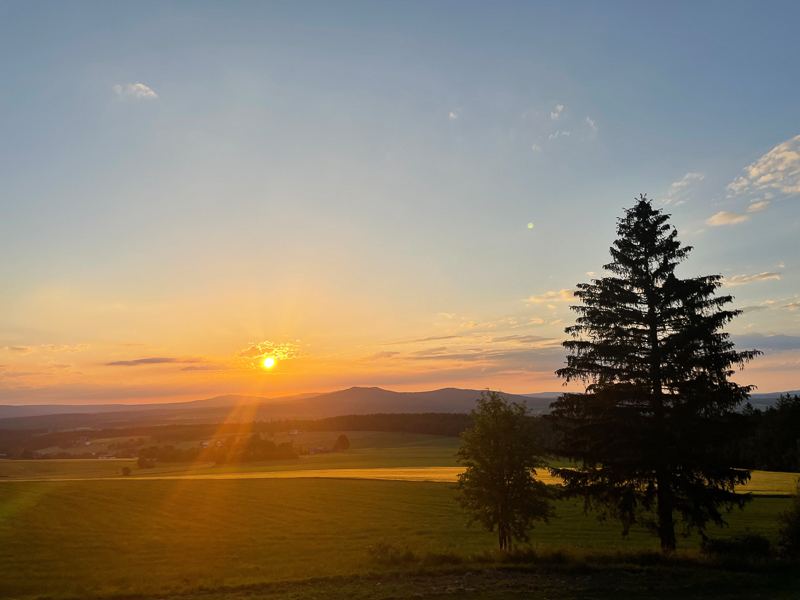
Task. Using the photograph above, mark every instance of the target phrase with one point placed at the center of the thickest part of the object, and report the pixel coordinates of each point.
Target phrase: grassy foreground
(96, 538)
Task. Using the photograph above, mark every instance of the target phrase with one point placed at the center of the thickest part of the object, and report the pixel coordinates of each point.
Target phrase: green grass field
(101, 535)
(106, 538)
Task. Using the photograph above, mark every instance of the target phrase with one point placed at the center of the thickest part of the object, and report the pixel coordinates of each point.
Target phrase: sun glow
(269, 363)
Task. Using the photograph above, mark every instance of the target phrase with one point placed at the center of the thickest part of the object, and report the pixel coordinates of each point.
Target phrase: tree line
(229, 450)
(766, 440)
(15, 442)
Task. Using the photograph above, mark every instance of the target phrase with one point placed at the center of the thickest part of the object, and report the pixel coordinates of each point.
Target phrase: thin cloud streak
(152, 361)
(744, 279)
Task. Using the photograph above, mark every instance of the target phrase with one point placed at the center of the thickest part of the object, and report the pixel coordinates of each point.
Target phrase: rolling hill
(355, 400)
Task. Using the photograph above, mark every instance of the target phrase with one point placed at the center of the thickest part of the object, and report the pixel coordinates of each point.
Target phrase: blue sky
(344, 181)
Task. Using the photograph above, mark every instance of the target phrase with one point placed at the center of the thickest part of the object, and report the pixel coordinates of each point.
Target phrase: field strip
(762, 482)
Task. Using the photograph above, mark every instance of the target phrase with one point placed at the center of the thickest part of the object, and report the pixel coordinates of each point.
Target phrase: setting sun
(269, 363)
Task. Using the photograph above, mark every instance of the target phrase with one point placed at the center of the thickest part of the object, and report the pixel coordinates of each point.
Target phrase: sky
(393, 194)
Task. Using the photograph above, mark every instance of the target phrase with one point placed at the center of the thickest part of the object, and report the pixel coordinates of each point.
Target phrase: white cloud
(564, 295)
(725, 218)
(536, 148)
(778, 169)
(678, 189)
(554, 115)
(453, 116)
(557, 134)
(743, 279)
(135, 90)
(728, 218)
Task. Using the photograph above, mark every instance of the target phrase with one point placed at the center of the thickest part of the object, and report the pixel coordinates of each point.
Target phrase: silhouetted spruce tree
(651, 431)
(501, 453)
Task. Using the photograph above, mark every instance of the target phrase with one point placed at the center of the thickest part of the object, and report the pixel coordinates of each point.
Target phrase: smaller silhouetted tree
(342, 443)
(126, 471)
(501, 453)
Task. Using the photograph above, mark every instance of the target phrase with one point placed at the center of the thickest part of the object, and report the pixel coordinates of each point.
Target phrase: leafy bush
(387, 554)
(789, 529)
(342, 443)
(745, 546)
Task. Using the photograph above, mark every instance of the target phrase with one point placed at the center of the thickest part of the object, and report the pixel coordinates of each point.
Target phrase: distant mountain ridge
(23, 410)
(355, 400)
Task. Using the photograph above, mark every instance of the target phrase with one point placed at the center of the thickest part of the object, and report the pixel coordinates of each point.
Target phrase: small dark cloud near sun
(152, 361)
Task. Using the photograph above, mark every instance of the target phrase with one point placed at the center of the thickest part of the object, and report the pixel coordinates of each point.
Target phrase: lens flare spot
(269, 362)
(530, 225)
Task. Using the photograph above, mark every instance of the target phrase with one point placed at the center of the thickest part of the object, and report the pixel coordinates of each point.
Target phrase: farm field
(90, 538)
(373, 455)
(83, 530)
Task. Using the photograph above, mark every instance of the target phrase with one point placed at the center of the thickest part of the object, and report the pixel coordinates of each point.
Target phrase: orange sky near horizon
(516, 353)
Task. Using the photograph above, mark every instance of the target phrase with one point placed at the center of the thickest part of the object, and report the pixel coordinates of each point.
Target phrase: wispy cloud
(556, 113)
(20, 349)
(134, 90)
(743, 279)
(557, 134)
(753, 308)
(48, 348)
(677, 191)
(564, 295)
(432, 338)
(524, 339)
(768, 341)
(778, 169)
(453, 116)
(206, 368)
(380, 355)
(592, 128)
(729, 218)
(158, 360)
(536, 148)
(430, 351)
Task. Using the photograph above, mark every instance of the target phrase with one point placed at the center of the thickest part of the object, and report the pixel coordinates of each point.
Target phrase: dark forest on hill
(771, 441)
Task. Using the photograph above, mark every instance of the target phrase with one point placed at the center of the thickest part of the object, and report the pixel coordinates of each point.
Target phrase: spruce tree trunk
(666, 523)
